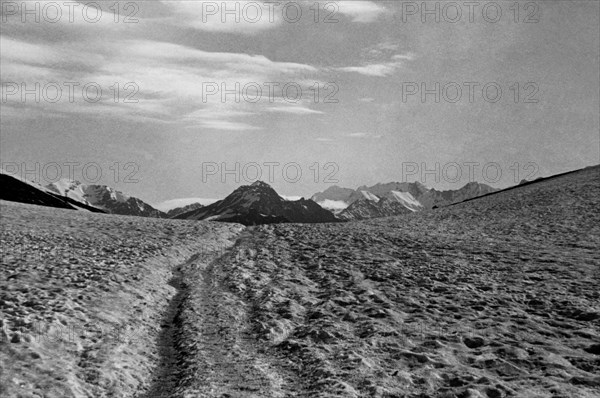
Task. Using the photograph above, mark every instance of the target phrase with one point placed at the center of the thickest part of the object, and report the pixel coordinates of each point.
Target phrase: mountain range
(394, 198)
(259, 204)
(253, 204)
(73, 195)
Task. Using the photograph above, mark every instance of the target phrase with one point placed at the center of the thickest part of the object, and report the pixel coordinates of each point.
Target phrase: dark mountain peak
(261, 184)
(257, 189)
(259, 203)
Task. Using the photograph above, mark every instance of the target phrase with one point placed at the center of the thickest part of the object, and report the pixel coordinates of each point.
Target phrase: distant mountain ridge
(184, 209)
(259, 204)
(366, 202)
(364, 208)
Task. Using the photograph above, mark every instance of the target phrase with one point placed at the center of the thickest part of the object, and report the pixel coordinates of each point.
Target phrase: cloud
(358, 135)
(381, 69)
(240, 17)
(296, 110)
(324, 139)
(170, 79)
(226, 125)
(336, 205)
(364, 135)
(178, 54)
(291, 198)
(361, 11)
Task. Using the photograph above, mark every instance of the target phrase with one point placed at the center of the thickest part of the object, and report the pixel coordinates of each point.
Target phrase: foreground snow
(496, 297)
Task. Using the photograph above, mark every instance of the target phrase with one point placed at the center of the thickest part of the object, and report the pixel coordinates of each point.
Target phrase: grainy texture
(496, 297)
(491, 298)
(83, 296)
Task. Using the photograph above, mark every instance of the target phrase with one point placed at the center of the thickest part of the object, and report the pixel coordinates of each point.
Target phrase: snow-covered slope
(406, 199)
(384, 207)
(104, 197)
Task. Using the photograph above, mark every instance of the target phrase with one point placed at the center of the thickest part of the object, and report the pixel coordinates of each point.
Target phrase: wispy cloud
(364, 135)
(384, 69)
(296, 110)
(171, 79)
(241, 17)
(226, 125)
(361, 11)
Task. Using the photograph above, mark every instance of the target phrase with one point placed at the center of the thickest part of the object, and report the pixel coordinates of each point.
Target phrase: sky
(177, 99)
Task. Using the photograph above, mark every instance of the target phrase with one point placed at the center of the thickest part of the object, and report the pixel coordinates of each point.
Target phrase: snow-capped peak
(369, 196)
(406, 199)
(86, 194)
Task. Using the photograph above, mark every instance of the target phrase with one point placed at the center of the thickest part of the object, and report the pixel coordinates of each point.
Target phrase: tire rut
(167, 373)
(206, 345)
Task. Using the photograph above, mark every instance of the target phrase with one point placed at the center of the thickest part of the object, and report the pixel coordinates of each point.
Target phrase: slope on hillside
(104, 197)
(83, 297)
(404, 198)
(259, 204)
(495, 297)
(15, 189)
(434, 198)
(384, 207)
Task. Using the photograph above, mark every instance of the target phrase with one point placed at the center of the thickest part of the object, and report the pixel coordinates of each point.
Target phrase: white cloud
(381, 69)
(364, 135)
(335, 205)
(292, 198)
(407, 57)
(227, 125)
(378, 70)
(296, 110)
(171, 79)
(242, 17)
(361, 11)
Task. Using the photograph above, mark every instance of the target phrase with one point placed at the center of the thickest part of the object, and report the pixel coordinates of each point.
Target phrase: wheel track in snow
(206, 346)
